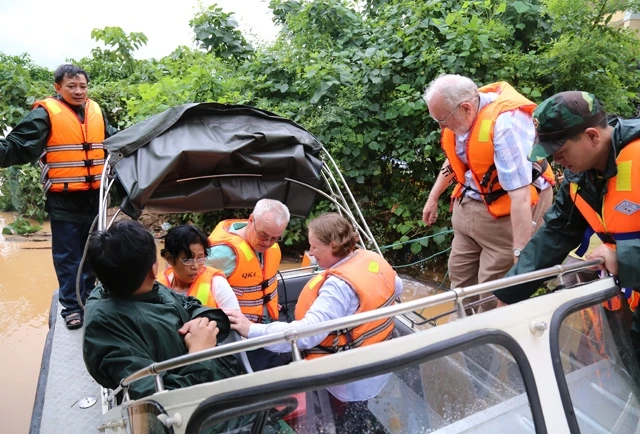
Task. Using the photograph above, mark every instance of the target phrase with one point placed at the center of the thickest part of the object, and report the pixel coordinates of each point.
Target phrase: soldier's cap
(562, 117)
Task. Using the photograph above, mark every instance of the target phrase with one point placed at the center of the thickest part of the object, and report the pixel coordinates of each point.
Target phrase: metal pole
(294, 333)
(159, 383)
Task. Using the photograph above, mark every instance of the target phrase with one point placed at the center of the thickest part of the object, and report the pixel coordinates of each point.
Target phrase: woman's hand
(238, 321)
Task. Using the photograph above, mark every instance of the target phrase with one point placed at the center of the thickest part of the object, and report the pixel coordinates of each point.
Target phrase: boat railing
(455, 295)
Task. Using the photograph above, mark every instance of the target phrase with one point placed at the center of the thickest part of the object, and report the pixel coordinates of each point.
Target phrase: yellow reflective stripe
(374, 267)
(53, 107)
(96, 108)
(204, 289)
(573, 189)
(623, 179)
(314, 280)
(247, 250)
(485, 131)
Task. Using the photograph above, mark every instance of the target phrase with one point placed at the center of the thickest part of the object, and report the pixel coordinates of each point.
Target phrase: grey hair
(279, 211)
(454, 88)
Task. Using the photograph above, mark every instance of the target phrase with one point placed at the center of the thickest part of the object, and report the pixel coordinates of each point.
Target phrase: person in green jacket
(71, 212)
(131, 321)
(573, 128)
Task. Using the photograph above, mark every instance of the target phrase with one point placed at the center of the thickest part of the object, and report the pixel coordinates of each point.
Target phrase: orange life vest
(617, 219)
(373, 281)
(200, 288)
(480, 150)
(254, 285)
(74, 156)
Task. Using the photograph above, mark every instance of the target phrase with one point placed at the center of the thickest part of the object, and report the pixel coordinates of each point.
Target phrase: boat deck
(64, 382)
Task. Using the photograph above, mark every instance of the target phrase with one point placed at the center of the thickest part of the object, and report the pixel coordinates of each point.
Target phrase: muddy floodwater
(27, 284)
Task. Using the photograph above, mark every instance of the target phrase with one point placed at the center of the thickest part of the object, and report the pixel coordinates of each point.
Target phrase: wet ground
(27, 284)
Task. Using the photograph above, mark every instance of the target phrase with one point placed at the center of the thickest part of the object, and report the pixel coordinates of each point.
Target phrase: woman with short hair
(186, 249)
(353, 281)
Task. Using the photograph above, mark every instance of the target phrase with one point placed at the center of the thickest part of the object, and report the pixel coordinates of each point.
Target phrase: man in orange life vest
(600, 194)
(65, 133)
(247, 252)
(500, 197)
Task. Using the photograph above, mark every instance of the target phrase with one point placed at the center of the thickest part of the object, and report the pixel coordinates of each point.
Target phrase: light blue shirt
(335, 299)
(224, 257)
(513, 137)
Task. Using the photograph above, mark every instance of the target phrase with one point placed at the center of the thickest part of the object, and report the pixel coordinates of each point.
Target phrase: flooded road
(27, 283)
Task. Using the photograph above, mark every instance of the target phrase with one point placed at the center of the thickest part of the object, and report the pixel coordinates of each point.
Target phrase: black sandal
(73, 321)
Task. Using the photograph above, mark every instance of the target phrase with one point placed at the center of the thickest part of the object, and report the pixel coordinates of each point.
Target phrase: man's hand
(199, 334)
(238, 321)
(610, 258)
(430, 212)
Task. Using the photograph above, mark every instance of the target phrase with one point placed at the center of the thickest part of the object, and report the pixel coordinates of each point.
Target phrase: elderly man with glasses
(500, 197)
(247, 252)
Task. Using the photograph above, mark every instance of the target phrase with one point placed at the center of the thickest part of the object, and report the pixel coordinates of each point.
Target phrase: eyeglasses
(191, 261)
(263, 236)
(444, 121)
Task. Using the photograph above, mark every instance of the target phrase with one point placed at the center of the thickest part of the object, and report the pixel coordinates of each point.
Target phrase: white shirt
(222, 292)
(513, 137)
(335, 299)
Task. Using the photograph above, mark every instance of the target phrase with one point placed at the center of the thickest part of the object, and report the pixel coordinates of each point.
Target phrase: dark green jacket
(123, 335)
(25, 144)
(564, 226)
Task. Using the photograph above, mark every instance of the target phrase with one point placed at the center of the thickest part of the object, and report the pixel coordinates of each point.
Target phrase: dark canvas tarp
(199, 140)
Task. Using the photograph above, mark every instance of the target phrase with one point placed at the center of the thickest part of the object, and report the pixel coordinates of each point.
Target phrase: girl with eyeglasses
(186, 249)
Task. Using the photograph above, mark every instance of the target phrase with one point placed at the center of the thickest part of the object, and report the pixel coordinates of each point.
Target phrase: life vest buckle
(264, 284)
(89, 163)
(87, 146)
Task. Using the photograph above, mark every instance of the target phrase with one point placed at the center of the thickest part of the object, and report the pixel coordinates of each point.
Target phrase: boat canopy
(206, 156)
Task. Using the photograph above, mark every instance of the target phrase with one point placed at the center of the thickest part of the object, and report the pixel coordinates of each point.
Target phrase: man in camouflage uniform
(599, 183)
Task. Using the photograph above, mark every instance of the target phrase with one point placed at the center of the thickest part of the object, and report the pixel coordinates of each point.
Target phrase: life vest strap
(623, 236)
(492, 195)
(253, 318)
(584, 244)
(48, 183)
(77, 147)
(605, 237)
(239, 290)
(82, 163)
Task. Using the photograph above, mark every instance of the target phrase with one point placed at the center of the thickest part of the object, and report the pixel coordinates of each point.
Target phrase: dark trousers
(67, 244)
(262, 359)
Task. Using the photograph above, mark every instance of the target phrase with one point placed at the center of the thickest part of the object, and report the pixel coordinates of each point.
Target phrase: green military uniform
(563, 116)
(26, 143)
(565, 227)
(123, 335)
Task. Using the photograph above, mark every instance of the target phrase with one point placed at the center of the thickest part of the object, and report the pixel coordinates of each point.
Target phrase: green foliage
(21, 83)
(217, 32)
(20, 226)
(353, 74)
(115, 61)
(5, 194)
(22, 185)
